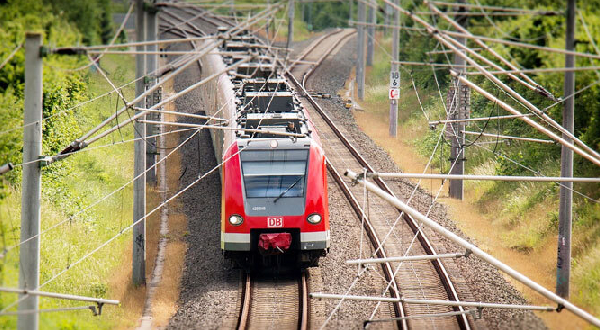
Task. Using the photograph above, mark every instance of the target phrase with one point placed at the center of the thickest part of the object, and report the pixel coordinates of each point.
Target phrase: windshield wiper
(288, 189)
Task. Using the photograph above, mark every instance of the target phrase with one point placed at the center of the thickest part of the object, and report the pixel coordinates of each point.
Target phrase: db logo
(274, 222)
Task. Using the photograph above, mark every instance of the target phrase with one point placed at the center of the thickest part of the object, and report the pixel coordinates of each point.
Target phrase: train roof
(267, 107)
(267, 144)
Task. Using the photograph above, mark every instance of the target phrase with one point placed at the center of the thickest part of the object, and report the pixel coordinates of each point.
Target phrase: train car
(274, 209)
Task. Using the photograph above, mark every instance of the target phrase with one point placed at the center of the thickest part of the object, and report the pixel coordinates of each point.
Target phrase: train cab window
(274, 173)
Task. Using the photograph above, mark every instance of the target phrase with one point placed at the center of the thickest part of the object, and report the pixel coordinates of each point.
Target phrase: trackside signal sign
(394, 79)
(394, 93)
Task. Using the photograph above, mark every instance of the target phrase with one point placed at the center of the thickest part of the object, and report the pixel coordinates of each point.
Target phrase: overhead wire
(114, 39)
(236, 30)
(397, 219)
(124, 229)
(105, 197)
(583, 149)
(157, 71)
(419, 230)
(528, 81)
(504, 156)
(70, 265)
(11, 55)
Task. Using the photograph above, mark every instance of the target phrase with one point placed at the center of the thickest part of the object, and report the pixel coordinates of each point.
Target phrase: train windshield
(274, 173)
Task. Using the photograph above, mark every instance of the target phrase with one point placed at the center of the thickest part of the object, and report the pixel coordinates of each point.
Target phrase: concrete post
(291, 16)
(565, 211)
(360, 65)
(151, 66)
(395, 68)
(139, 162)
(461, 99)
(31, 193)
(370, 34)
(386, 21)
(350, 11)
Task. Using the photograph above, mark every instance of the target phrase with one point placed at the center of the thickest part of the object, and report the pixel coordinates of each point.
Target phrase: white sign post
(394, 79)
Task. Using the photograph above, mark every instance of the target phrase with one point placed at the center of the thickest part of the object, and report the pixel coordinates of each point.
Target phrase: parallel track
(427, 277)
(274, 304)
(422, 280)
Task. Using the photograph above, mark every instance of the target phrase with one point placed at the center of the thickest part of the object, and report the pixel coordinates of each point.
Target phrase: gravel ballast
(210, 286)
(484, 282)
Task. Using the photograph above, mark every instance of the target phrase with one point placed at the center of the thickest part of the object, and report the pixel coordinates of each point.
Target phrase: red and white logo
(274, 222)
(394, 94)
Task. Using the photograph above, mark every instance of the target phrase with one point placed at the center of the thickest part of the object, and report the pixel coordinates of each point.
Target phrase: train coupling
(274, 243)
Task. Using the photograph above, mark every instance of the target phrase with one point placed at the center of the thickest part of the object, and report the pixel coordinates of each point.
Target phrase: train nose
(274, 243)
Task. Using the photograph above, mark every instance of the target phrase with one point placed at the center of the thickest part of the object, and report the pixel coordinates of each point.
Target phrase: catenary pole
(370, 34)
(291, 16)
(151, 66)
(459, 103)
(360, 65)
(350, 11)
(394, 68)
(386, 20)
(565, 210)
(139, 162)
(31, 194)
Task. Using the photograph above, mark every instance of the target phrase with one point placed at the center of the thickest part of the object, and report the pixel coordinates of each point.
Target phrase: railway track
(418, 279)
(312, 57)
(274, 303)
(262, 302)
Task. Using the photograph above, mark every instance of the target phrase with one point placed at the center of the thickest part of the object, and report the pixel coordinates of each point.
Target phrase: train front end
(275, 207)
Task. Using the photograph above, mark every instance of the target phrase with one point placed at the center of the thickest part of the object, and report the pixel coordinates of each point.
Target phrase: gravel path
(482, 281)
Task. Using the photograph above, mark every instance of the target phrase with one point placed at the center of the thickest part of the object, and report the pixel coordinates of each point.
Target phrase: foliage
(524, 214)
(70, 185)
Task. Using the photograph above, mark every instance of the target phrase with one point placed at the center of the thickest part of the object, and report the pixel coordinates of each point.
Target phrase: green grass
(94, 174)
(527, 213)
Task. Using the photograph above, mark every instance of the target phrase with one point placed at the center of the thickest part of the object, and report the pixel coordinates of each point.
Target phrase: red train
(274, 209)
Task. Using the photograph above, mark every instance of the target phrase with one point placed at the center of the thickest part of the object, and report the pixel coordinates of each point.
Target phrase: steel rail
(483, 177)
(192, 43)
(198, 14)
(208, 16)
(247, 296)
(184, 22)
(320, 60)
(423, 240)
(304, 313)
(561, 302)
(370, 230)
(310, 48)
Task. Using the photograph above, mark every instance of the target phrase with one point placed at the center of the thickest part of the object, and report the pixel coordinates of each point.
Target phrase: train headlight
(314, 218)
(236, 220)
